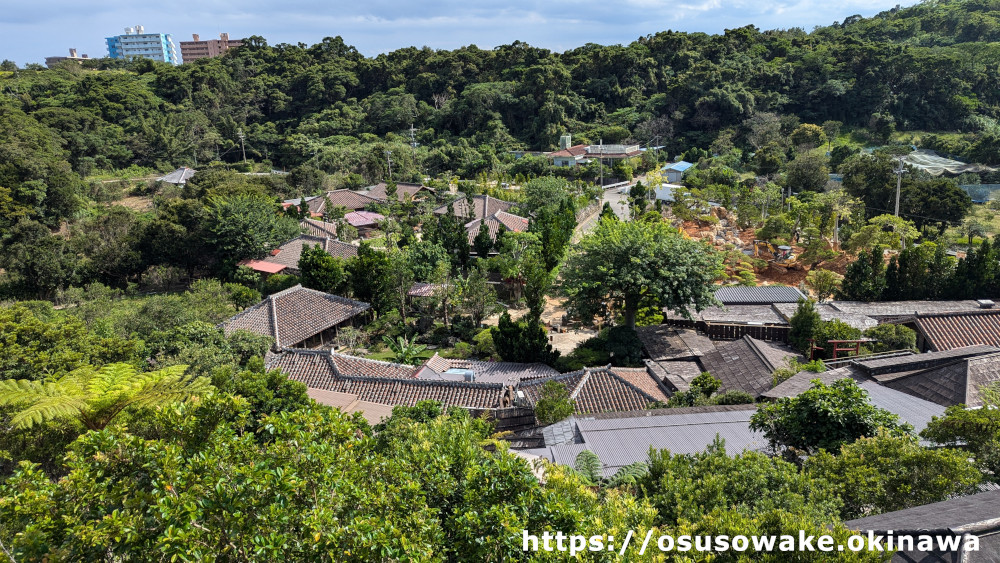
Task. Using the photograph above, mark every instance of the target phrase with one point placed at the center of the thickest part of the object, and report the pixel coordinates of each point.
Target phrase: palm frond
(169, 389)
(47, 408)
(23, 391)
(111, 379)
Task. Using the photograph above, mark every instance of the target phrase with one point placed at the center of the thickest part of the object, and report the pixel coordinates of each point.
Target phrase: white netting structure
(936, 165)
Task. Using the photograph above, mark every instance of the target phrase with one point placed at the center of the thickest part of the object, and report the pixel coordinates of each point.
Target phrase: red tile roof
(263, 266)
(575, 150)
(956, 330)
(288, 254)
(345, 198)
(294, 315)
(509, 221)
(508, 373)
(363, 218)
(598, 390)
(482, 206)
(319, 228)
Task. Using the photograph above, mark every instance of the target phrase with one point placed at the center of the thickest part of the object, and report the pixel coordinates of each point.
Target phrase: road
(619, 204)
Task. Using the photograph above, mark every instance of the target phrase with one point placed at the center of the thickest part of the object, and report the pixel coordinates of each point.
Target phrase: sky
(31, 30)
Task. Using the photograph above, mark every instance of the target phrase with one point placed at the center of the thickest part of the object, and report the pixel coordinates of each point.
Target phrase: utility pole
(242, 146)
(388, 159)
(899, 171)
(413, 139)
(600, 159)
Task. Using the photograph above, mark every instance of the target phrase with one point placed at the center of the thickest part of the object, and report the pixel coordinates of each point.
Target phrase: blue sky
(33, 29)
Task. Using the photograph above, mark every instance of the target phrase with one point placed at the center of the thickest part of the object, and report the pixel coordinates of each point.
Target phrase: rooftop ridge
(609, 370)
(423, 382)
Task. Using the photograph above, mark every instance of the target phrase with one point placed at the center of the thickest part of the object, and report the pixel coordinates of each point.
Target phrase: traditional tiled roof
(952, 384)
(363, 218)
(411, 391)
(403, 190)
(493, 223)
(422, 289)
(575, 150)
(363, 367)
(482, 206)
(662, 342)
(288, 254)
(349, 403)
(827, 312)
(760, 294)
(746, 364)
(377, 384)
(676, 375)
(950, 520)
(902, 309)
(346, 198)
(598, 390)
(947, 331)
(508, 373)
(887, 369)
(319, 228)
(734, 314)
(314, 368)
(295, 314)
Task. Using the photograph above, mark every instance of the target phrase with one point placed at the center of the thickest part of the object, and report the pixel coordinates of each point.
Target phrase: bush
(554, 403)
(892, 337)
(733, 397)
(624, 347)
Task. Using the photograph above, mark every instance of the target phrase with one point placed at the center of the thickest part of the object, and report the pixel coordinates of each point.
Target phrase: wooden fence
(722, 331)
(510, 419)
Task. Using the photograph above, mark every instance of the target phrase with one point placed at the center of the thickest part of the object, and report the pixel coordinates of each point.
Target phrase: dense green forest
(134, 428)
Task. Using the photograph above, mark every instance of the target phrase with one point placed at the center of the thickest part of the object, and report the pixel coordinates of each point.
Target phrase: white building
(137, 43)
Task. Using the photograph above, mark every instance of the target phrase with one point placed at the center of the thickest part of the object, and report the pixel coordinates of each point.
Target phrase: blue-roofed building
(675, 171)
(135, 43)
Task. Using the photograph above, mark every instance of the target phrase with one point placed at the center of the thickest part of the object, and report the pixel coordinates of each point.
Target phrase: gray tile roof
(318, 228)
(403, 190)
(294, 315)
(947, 331)
(951, 384)
(883, 309)
(383, 383)
(507, 373)
(974, 514)
(676, 375)
(662, 342)
(828, 313)
(760, 294)
(914, 410)
(886, 369)
(746, 364)
(736, 314)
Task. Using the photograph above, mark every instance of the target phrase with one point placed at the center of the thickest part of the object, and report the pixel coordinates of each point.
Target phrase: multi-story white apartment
(137, 43)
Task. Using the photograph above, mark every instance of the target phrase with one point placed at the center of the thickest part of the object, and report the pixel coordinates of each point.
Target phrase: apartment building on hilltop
(198, 49)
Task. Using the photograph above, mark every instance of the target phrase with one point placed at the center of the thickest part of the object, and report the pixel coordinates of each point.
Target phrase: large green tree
(631, 265)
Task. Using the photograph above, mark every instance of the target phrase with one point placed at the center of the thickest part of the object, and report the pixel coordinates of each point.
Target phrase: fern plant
(94, 397)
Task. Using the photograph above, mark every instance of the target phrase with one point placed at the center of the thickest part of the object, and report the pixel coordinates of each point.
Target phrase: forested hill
(929, 67)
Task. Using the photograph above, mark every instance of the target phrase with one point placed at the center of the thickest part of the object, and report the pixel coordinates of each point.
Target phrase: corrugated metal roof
(679, 166)
(745, 295)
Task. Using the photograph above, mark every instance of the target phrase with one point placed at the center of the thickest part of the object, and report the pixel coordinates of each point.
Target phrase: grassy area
(989, 218)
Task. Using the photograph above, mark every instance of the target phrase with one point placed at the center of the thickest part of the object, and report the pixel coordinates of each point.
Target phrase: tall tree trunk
(631, 311)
